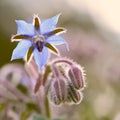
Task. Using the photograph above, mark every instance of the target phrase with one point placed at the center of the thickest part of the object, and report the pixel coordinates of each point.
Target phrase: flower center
(38, 41)
(37, 38)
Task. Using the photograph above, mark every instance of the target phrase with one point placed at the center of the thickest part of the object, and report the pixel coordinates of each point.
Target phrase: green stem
(47, 108)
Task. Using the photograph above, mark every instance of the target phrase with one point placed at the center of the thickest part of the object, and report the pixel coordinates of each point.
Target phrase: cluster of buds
(67, 82)
(62, 79)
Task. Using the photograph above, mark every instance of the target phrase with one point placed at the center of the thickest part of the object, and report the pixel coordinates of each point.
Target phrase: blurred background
(93, 34)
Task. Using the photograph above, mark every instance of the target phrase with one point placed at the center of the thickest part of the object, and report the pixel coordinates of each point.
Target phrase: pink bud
(73, 96)
(76, 77)
(58, 91)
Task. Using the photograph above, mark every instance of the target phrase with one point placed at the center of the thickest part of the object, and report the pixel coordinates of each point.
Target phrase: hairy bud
(76, 77)
(73, 96)
(58, 91)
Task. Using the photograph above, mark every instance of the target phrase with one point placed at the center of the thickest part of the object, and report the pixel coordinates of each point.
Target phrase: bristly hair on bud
(76, 76)
(68, 82)
(73, 96)
(58, 91)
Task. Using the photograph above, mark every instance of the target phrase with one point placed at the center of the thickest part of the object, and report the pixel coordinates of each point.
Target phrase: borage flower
(36, 39)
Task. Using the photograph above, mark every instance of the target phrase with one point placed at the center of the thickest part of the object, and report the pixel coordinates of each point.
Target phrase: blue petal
(57, 40)
(21, 49)
(25, 28)
(41, 57)
(49, 24)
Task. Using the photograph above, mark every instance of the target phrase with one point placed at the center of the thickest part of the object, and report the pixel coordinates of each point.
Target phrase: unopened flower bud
(76, 77)
(58, 91)
(73, 96)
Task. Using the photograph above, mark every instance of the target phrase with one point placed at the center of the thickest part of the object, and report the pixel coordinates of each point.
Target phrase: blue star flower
(36, 39)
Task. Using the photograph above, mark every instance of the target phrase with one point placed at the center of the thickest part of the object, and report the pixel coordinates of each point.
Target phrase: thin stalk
(64, 61)
(56, 71)
(47, 108)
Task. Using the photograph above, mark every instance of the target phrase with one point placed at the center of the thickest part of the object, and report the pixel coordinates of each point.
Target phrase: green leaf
(22, 88)
(32, 106)
(2, 105)
(25, 114)
(52, 48)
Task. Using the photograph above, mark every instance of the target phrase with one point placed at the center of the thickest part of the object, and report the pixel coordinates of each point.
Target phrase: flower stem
(64, 61)
(56, 72)
(47, 108)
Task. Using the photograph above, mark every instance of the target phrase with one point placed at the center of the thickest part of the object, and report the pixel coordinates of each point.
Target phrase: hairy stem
(64, 61)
